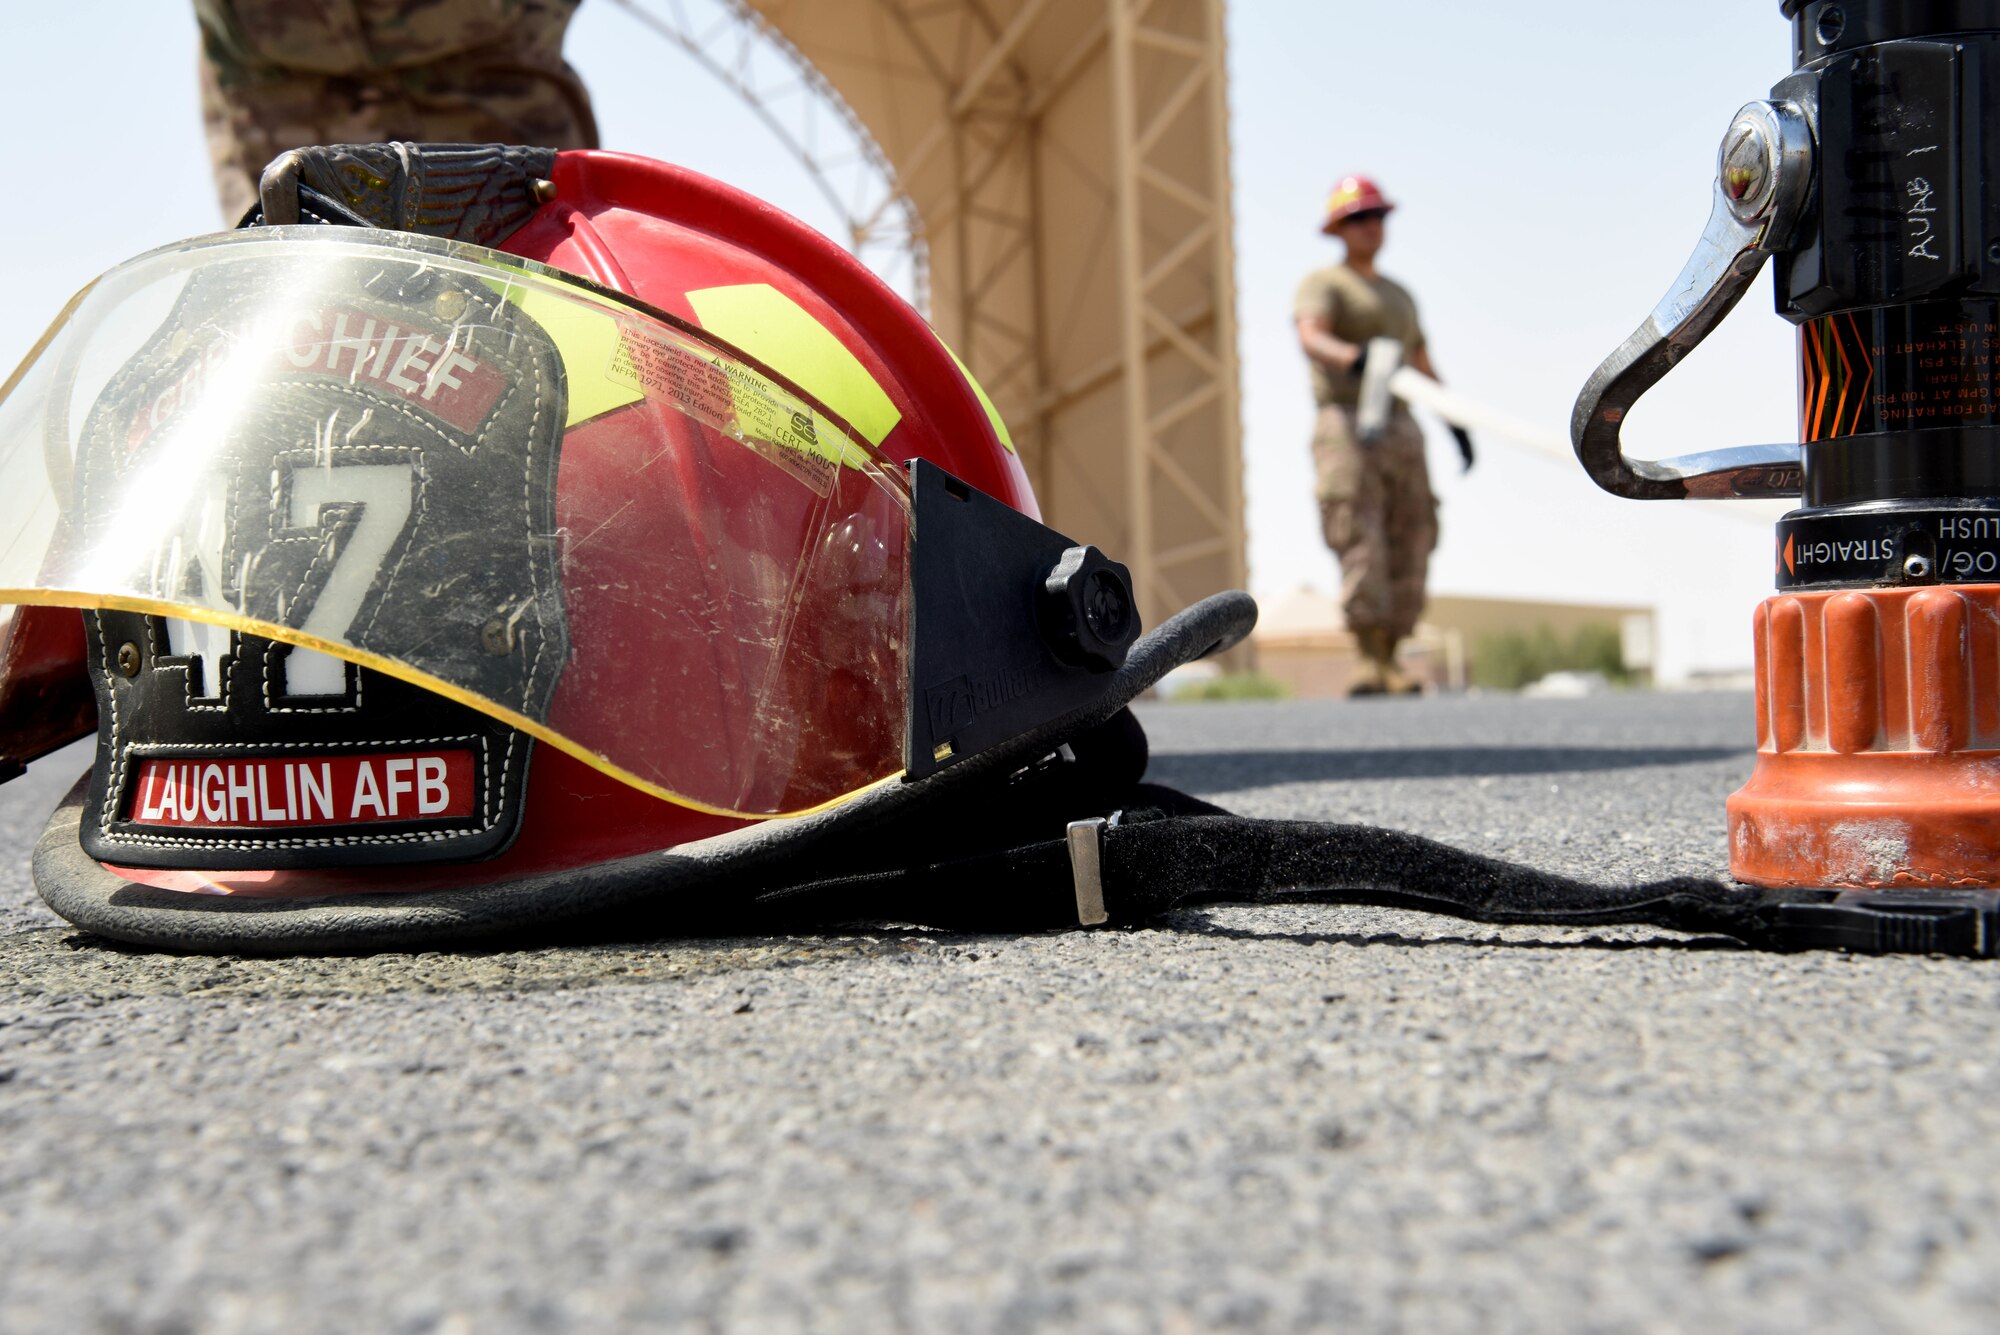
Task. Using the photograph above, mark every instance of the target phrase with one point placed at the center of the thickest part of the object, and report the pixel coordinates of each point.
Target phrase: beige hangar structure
(1049, 179)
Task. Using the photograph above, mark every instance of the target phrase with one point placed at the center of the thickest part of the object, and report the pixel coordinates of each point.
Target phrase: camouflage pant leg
(1379, 517)
(277, 75)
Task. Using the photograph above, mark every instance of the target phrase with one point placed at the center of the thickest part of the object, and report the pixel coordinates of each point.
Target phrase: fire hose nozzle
(1764, 175)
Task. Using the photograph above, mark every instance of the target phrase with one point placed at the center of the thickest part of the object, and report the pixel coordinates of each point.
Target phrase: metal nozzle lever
(1764, 172)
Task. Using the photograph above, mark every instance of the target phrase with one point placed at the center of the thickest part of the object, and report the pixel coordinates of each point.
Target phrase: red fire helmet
(577, 454)
(1352, 195)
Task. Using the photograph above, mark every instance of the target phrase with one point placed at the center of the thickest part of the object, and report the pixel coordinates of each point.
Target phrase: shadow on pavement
(1645, 938)
(1211, 771)
(55, 963)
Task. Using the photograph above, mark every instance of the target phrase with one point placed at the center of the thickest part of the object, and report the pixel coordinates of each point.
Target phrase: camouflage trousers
(284, 74)
(1379, 517)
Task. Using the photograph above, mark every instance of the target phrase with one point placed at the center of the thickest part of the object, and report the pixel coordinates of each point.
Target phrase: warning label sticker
(681, 376)
(733, 399)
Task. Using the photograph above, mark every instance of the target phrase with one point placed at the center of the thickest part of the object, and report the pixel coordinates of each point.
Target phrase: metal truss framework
(1174, 222)
(807, 116)
(1054, 177)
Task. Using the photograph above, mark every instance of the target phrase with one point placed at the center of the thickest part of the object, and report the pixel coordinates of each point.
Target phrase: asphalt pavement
(1274, 1119)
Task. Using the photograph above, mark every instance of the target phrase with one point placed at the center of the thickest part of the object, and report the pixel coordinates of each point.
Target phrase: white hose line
(1420, 391)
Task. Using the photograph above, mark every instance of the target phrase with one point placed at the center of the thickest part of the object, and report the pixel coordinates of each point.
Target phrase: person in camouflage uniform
(1375, 502)
(283, 74)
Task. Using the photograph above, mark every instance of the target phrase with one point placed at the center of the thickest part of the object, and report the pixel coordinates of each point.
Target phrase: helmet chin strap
(1170, 852)
(1077, 843)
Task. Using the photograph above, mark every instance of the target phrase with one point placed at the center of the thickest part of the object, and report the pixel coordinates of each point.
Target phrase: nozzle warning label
(1899, 368)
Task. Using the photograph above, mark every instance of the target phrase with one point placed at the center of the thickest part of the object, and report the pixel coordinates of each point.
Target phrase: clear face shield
(483, 478)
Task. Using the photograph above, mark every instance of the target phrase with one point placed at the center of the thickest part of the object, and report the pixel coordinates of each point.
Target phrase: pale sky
(1552, 162)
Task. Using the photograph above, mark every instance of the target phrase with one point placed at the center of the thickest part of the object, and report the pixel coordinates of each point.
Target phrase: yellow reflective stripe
(992, 413)
(782, 334)
(392, 667)
(586, 339)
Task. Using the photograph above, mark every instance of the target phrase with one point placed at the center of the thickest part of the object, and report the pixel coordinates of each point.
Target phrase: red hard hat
(1353, 194)
(573, 453)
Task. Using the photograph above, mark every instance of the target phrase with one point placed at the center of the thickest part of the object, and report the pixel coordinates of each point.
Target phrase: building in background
(1303, 645)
